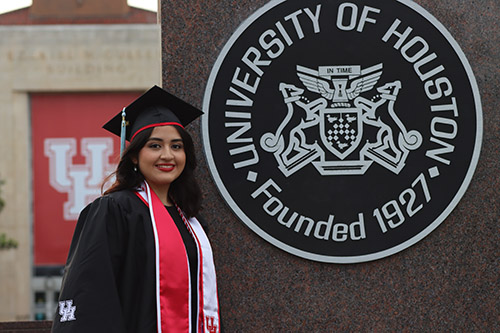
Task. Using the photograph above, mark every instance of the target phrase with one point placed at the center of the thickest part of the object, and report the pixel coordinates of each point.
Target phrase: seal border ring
(341, 259)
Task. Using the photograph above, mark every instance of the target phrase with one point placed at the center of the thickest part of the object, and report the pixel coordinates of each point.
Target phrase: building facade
(76, 64)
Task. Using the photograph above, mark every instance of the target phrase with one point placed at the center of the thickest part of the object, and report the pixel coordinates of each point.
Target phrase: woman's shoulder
(120, 195)
(123, 197)
(126, 200)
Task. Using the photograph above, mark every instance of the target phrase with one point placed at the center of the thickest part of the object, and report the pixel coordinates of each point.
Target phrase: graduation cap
(155, 107)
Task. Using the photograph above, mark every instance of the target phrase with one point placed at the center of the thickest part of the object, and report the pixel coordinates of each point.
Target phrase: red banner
(72, 155)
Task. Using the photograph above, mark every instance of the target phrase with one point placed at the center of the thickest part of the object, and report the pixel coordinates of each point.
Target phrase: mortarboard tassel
(122, 132)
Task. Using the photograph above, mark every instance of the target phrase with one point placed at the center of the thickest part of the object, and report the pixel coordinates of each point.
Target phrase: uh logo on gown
(342, 132)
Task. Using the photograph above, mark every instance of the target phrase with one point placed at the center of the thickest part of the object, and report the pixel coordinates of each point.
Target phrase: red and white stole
(173, 292)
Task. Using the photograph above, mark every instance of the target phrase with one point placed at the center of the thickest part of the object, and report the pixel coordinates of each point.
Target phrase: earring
(135, 168)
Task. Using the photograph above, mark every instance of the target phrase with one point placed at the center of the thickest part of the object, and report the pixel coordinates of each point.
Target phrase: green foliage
(5, 242)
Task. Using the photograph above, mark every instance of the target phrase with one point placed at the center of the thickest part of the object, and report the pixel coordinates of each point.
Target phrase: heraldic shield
(341, 130)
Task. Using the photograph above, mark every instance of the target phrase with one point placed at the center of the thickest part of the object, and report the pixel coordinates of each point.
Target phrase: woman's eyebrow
(161, 140)
(155, 139)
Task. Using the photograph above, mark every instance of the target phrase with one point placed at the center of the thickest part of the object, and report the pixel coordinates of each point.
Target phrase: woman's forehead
(165, 132)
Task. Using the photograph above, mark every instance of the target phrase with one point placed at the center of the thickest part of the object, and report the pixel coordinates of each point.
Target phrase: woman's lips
(165, 167)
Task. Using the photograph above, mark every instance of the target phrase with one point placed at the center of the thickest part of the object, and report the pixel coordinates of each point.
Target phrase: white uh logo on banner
(82, 182)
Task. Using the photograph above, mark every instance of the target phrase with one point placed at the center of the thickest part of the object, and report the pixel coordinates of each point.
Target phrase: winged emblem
(336, 88)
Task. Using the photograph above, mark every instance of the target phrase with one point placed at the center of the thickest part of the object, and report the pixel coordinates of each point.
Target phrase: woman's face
(162, 159)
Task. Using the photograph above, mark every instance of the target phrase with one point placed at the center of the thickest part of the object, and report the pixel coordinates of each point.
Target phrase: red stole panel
(172, 272)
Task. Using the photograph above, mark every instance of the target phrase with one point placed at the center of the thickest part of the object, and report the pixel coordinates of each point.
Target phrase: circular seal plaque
(342, 132)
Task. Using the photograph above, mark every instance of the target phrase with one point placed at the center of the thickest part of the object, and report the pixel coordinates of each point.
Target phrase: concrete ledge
(25, 326)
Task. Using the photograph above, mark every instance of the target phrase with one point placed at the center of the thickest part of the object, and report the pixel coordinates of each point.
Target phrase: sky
(9, 5)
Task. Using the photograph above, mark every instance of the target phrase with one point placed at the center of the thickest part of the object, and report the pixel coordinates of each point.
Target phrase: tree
(5, 242)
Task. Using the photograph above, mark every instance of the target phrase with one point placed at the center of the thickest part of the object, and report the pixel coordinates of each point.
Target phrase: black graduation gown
(109, 276)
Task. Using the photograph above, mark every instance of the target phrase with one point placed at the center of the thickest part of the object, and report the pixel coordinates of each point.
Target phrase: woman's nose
(166, 153)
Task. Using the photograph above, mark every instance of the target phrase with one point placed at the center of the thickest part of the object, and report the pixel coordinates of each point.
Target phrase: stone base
(26, 326)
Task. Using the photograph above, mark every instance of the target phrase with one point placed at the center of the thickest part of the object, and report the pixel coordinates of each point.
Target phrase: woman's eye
(177, 146)
(154, 145)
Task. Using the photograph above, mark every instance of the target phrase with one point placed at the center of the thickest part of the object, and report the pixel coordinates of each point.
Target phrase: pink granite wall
(446, 282)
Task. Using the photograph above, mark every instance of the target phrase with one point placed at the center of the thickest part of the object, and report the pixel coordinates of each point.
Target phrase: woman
(139, 260)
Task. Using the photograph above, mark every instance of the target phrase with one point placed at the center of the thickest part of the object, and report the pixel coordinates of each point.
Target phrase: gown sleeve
(89, 298)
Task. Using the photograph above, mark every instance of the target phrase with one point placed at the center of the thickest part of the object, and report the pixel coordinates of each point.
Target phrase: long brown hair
(184, 191)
